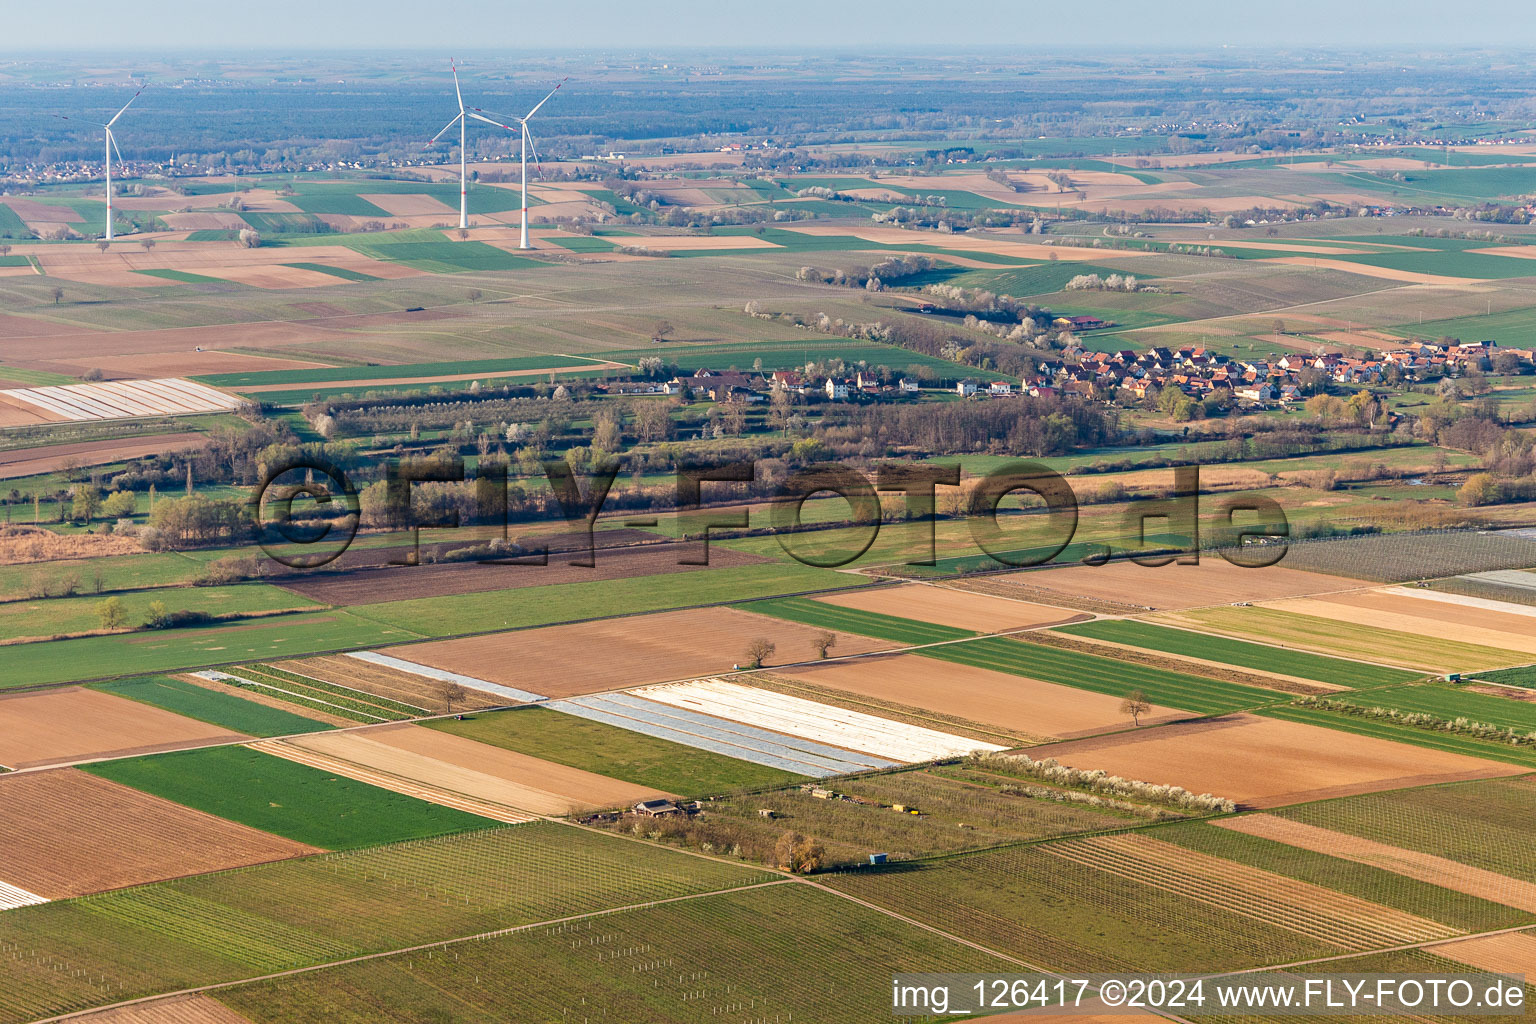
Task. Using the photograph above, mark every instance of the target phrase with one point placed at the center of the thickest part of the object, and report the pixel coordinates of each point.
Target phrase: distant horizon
(97, 27)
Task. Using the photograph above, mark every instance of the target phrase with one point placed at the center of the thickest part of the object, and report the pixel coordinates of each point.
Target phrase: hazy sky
(465, 25)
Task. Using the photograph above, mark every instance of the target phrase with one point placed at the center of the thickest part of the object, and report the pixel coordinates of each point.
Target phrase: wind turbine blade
(498, 124)
(456, 90)
(113, 139)
(447, 126)
(63, 117)
(126, 106)
(535, 150)
(546, 99)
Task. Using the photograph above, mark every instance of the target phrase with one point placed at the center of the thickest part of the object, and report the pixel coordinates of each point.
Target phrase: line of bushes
(1422, 720)
(1100, 783)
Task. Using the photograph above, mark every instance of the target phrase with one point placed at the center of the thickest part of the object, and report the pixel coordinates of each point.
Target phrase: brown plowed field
(382, 681)
(66, 833)
(392, 583)
(477, 769)
(1426, 867)
(1263, 762)
(407, 205)
(1026, 706)
(29, 461)
(584, 657)
(75, 724)
(367, 382)
(183, 364)
(956, 608)
(1510, 953)
(1213, 581)
(193, 1009)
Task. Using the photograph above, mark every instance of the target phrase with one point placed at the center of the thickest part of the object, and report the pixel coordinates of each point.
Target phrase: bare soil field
(1426, 867)
(688, 243)
(204, 221)
(479, 769)
(20, 544)
(375, 382)
(1510, 953)
(383, 681)
(74, 724)
(1368, 270)
(962, 243)
(188, 364)
(585, 657)
(1026, 706)
(956, 608)
(32, 211)
(1213, 581)
(192, 1009)
(1514, 633)
(272, 277)
(390, 583)
(1263, 762)
(402, 205)
(65, 833)
(13, 414)
(29, 461)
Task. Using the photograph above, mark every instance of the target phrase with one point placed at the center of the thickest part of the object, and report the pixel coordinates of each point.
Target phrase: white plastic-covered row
(123, 399)
(824, 723)
(444, 676)
(13, 896)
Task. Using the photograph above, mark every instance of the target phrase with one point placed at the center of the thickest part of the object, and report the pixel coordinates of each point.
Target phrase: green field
(1511, 328)
(287, 799)
(853, 620)
(11, 224)
(1489, 824)
(74, 954)
(1411, 650)
(346, 203)
(1451, 702)
(341, 272)
(182, 276)
(101, 657)
(331, 374)
(1523, 676)
(1061, 915)
(568, 602)
(33, 580)
(205, 705)
(1238, 652)
(1378, 885)
(1385, 729)
(1103, 675)
(614, 752)
(33, 378)
(702, 961)
(78, 614)
(790, 355)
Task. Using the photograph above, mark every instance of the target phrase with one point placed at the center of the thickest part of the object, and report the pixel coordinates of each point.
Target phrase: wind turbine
(527, 137)
(460, 119)
(111, 144)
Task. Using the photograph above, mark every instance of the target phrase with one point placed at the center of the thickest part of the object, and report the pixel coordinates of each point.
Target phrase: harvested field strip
(76, 724)
(615, 752)
(853, 620)
(288, 693)
(1377, 884)
(1425, 867)
(13, 896)
(1385, 729)
(957, 609)
(52, 825)
(1103, 675)
(1514, 953)
(286, 799)
(1335, 635)
(1319, 913)
(394, 783)
(443, 675)
(205, 705)
(370, 900)
(796, 716)
(1484, 604)
(718, 735)
(382, 681)
(803, 686)
(1260, 657)
(367, 700)
(1509, 637)
(1487, 824)
(195, 1009)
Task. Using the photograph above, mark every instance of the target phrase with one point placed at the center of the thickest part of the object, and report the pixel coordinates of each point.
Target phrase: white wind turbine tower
(462, 120)
(111, 144)
(527, 137)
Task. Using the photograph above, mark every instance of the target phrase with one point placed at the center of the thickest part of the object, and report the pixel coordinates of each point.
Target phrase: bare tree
(103, 245)
(58, 296)
(824, 642)
(5, 249)
(463, 234)
(661, 332)
(758, 650)
(147, 243)
(451, 693)
(1135, 705)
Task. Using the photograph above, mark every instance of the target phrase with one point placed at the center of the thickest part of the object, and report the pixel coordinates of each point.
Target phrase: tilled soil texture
(585, 657)
(65, 833)
(373, 583)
